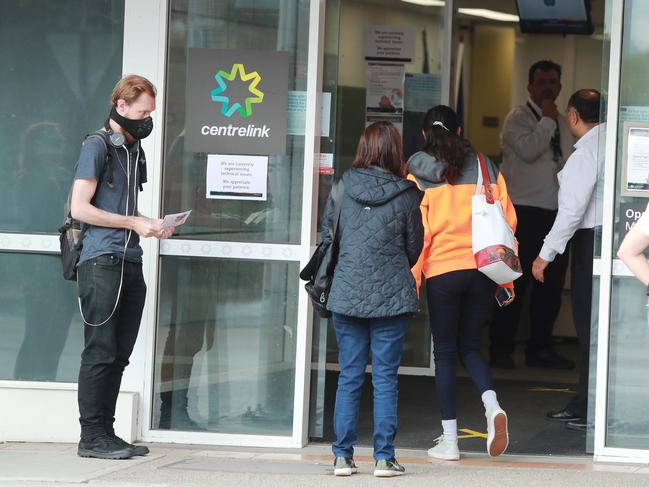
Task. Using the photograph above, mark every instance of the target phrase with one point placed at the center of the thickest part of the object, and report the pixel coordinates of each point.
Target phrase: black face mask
(139, 129)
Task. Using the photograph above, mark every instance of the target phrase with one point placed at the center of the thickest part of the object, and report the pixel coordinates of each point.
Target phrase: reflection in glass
(225, 353)
(627, 425)
(53, 91)
(346, 79)
(232, 24)
(37, 309)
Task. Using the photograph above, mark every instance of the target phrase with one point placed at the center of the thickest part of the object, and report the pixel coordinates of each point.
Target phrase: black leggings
(458, 305)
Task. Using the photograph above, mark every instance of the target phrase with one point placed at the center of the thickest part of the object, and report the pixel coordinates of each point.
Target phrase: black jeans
(458, 305)
(545, 300)
(109, 346)
(581, 293)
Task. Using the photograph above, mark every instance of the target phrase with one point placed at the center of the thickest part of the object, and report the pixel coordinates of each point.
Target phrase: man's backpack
(72, 232)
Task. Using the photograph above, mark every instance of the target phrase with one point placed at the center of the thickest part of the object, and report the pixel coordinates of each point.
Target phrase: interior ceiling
(507, 6)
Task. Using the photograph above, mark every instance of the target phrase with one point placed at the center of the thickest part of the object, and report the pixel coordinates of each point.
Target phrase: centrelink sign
(236, 101)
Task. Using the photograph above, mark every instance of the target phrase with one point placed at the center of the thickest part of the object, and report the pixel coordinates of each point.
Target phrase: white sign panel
(231, 177)
(389, 43)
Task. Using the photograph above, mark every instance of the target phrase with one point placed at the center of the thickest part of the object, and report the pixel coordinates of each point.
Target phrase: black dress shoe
(578, 425)
(502, 362)
(549, 359)
(564, 415)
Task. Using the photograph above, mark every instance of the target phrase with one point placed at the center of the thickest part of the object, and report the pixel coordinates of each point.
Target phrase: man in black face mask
(110, 281)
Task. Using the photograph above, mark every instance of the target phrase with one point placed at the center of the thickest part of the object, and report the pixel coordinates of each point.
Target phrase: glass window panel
(627, 425)
(53, 91)
(225, 354)
(234, 24)
(40, 326)
(626, 422)
(345, 76)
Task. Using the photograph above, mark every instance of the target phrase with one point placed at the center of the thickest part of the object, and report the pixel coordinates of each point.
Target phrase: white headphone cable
(127, 236)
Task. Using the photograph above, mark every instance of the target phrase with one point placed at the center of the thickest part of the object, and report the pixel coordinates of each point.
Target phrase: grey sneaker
(344, 467)
(104, 447)
(138, 450)
(388, 468)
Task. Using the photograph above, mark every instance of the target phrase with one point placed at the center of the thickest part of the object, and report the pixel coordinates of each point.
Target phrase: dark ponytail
(441, 141)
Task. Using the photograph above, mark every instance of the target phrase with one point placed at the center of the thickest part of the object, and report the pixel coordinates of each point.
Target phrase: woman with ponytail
(459, 296)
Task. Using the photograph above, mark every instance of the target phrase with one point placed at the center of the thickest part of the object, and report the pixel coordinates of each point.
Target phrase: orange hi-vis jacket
(446, 213)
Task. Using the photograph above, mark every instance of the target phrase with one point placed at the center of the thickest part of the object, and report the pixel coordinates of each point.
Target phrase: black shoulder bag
(320, 269)
(71, 238)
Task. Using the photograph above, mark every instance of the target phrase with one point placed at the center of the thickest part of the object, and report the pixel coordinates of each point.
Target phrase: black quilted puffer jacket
(381, 236)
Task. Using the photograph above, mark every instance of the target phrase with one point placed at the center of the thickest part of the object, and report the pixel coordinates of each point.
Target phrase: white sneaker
(497, 435)
(445, 449)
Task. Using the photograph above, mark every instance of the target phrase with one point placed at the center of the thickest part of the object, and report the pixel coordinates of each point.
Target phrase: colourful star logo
(228, 109)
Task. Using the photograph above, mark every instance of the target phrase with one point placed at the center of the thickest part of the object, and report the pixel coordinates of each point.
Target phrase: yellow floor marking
(471, 434)
(550, 389)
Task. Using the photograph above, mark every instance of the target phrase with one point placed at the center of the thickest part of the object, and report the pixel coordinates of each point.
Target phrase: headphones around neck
(116, 138)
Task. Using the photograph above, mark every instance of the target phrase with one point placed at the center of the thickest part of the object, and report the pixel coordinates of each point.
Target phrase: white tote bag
(494, 245)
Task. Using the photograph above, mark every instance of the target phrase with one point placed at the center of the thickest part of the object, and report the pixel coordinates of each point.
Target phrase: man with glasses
(536, 143)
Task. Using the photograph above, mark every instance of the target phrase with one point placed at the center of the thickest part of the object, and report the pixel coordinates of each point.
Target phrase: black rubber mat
(526, 404)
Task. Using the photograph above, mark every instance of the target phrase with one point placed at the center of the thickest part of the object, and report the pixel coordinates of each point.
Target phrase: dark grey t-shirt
(102, 240)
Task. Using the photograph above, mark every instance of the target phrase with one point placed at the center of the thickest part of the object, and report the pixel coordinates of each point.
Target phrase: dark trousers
(109, 346)
(545, 301)
(581, 291)
(458, 305)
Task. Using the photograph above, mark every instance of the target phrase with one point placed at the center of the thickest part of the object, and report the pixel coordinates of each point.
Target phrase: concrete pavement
(48, 464)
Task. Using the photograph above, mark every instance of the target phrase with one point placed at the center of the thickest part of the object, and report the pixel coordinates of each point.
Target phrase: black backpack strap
(142, 169)
(108, 165)
(338, 192)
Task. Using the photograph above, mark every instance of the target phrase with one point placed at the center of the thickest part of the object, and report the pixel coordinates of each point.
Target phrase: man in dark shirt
(111, 285)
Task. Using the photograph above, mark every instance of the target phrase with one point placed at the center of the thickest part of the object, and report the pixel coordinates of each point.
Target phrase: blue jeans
(356, 337)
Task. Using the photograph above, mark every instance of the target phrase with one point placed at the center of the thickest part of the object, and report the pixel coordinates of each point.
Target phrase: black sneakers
(105, 447)
(138, 450)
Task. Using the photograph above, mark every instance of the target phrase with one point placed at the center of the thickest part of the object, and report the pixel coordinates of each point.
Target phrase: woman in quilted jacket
(373, 292)
(459, 296)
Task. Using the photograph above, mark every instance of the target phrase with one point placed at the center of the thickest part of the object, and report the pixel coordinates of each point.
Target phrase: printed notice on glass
(636, 159)
(422, 91)
(231, 177)
(384, 94)
(389, 43)
(297, 113)
(325, 163)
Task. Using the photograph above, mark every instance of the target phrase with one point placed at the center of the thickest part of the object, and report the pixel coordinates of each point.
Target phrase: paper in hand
(175, 219)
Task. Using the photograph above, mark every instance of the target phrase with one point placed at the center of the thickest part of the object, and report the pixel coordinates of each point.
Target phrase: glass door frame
(448, 89)
(154, 32)
(607, 267)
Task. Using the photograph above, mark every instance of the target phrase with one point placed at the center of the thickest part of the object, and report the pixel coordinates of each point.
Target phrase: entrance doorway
(482, 72)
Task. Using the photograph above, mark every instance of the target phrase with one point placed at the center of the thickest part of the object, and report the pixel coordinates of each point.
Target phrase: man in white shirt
(580, 205)
(536, 143)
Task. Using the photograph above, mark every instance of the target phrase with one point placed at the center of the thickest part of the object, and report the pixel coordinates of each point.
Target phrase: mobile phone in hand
(503, 295)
